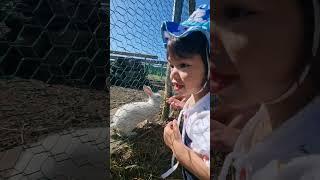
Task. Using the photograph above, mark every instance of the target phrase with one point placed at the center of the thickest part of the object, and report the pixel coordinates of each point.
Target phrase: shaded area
(30, 109)
(57, 42)
(79, 154)
(52, 131)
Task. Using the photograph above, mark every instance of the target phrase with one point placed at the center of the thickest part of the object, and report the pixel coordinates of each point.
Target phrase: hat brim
(172, 29)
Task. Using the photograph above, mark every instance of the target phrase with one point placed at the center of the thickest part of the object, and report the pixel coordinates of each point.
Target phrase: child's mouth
(177, 87)
(221, 81)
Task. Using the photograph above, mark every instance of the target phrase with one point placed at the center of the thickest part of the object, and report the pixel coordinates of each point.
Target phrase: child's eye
(184, 65)
(171, 66)
(237, 12)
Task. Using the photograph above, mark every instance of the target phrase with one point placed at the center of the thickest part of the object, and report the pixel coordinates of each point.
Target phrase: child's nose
(216, 48)
(174, 73)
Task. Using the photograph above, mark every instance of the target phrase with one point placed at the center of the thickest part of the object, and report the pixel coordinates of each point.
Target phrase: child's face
(187, 74)
(257, 49)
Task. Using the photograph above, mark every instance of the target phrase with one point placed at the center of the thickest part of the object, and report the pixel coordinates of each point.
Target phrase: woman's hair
(309, 28)
(195, 43)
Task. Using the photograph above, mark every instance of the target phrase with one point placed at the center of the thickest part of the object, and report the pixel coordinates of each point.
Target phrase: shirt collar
(202, 104)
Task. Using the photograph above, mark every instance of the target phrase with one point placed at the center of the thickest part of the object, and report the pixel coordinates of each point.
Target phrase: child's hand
(176, 102)
(223, 137)
(227, 123)
(172, 134)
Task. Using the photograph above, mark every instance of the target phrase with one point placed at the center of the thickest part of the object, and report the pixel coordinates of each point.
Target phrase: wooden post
(167, 93)
(177, 11)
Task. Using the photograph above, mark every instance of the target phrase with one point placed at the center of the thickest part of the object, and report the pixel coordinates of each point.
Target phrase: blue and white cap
(198, 21)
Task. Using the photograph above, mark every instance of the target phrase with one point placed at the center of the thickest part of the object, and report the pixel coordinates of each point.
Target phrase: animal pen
(138, 58)
(137, 54)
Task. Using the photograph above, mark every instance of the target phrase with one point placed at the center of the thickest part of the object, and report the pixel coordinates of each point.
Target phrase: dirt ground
(120, 96)
(31, 109)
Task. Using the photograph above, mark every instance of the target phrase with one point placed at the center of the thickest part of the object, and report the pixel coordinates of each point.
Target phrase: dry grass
(144, 156)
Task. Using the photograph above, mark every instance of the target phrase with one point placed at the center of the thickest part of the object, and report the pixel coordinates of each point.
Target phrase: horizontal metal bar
(134, 54)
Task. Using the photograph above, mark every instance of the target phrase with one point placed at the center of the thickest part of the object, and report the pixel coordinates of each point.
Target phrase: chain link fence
(62, 42)
(53, 92)
(137, 58)
(136, 42)
(137, 53)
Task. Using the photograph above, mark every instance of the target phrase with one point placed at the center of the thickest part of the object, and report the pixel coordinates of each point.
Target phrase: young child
(268, 54)
(188, 54)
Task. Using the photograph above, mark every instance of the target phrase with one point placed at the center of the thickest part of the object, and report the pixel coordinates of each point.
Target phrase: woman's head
(188, 58)
(258, 50)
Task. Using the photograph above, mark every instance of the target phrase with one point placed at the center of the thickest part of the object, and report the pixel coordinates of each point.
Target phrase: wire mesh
(60, 42)
(135, 33)
(138, 58)
(137, 55)
(53, 131)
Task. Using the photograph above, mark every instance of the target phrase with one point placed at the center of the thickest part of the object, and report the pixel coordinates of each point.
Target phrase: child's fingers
(172, 124)
(175, 105)
(179, 103)
(175, 124)
(217, 125)
(175, 127)
(168, 126)
(172, 104)
(217, 137)
(178, 97)
(171, 100)
(174, 99)
(176, 131)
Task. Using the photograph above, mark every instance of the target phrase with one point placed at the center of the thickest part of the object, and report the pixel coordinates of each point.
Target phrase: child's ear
(147, 90)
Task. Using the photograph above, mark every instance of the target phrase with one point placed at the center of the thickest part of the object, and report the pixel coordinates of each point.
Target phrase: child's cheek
(184, 76)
